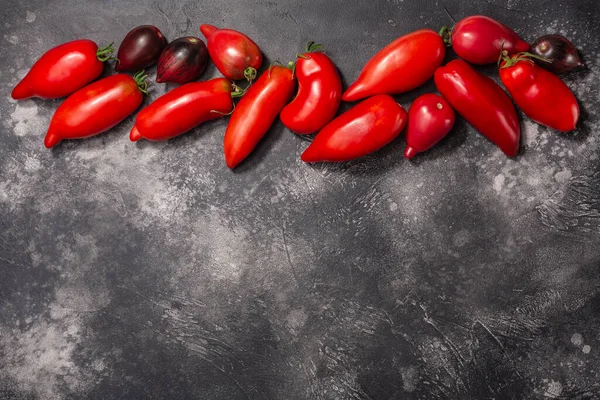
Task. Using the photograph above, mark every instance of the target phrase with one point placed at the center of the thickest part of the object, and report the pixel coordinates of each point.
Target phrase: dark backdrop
(151, 271)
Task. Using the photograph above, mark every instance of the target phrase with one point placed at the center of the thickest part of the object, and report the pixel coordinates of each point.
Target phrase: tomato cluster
(307, 93)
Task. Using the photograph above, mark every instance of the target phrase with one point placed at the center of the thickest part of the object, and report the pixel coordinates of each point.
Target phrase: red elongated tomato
(361, 130)
(481, 102)
(62, 70)
(403, 65)
(232, 51)
(541, 95)
(430, 118)
(319, 94)
(96, 108)
(479, 40)
(256, 112)
(182, 109)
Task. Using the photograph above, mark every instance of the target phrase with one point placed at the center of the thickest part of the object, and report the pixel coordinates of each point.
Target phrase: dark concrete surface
(151, 271)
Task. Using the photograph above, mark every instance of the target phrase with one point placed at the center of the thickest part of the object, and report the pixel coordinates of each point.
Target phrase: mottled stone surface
(151, 271)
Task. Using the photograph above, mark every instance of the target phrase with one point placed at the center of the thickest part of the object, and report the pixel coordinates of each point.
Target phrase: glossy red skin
(541, 95)
(430, 118)
(363, 129)
(319, 94)
(182, 109)
(140, 48)
(61, 71)
(403, 65)
(231, 51)
(256, 112)
(480, 101)
(94, 109)
(479, 40)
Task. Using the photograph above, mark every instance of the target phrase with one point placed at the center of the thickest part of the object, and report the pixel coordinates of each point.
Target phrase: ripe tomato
(541, 95)
(430, 118)
(232, 52)
(363, 129)
(62, 70)
(96, 108)
(481, 102)
(479, 40)
(319, 93)
(182, 109)
(256, 112)
(403, 65)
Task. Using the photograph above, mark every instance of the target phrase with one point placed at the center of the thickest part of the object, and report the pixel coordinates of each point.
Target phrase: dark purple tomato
(140, 48)
(183, 60)
(561, 55)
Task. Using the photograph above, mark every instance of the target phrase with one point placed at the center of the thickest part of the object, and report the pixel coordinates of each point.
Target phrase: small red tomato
(403, 65)
(479, 40)
(430, 118)
(232, 52)
(319, 93)
(256, 112)
(541, 95)
(182, 109)
(363, 129)
(96, 108)
(479, 100)
(63, 70)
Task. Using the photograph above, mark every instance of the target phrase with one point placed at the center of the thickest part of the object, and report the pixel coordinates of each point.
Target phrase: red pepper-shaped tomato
(256, 112)
(541, 95)
(403, 65)
(366, 127)
(481, 102)
(62, 70)
(479, 39)
(430, 118)
(183, 108)
(319, 93)
(235, 54)
(96, 108)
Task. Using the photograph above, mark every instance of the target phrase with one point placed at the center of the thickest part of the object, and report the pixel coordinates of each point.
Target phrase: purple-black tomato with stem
(182, 60)
(140, 48)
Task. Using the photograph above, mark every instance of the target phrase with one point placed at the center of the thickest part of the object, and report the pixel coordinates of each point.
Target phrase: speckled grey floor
(151, 271)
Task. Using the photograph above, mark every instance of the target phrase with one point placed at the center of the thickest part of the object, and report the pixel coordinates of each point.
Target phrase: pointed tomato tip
(207, 29)
(51, 140)
(159, 79)
(409, 152)
(135, 135)
(21, 92)
(309, 156)
(353, 93)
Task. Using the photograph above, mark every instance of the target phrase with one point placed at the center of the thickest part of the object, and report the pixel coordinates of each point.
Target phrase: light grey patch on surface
(30, 17)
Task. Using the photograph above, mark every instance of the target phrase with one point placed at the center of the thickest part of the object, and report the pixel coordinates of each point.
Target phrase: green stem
(312, 47)
(105, 53)
(446, 34)
(523, 56)
(250, 74)
(141, 82)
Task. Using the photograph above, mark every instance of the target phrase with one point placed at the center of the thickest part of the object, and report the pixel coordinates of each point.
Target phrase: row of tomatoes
(403, 65)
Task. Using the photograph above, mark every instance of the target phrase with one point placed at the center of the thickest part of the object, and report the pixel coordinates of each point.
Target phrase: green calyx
(250, 74)
(446, 34)
(105, 53)
(141, 81)
(523, 56)
(311, 47)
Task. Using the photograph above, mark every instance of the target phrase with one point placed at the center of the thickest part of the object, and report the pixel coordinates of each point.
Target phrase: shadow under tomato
(103, 139)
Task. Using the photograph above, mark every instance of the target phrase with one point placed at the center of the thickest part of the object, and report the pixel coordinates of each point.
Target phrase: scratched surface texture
(151, 271)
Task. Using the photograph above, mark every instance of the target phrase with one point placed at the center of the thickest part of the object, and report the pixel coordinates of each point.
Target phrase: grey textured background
(151, 271)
